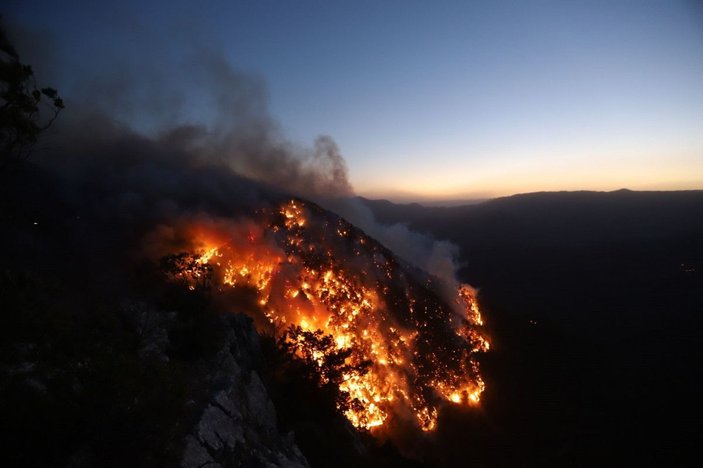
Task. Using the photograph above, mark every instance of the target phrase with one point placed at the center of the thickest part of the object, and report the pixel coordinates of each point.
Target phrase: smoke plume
(155, 147)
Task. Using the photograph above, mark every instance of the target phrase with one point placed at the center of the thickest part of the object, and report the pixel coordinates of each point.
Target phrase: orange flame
(301, 279)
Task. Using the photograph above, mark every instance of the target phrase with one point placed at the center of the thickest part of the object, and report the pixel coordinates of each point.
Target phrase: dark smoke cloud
(241, 138)
(176, 93)
(138, 142)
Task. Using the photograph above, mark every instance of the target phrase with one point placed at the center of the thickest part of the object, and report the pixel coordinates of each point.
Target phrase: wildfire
(406, 349)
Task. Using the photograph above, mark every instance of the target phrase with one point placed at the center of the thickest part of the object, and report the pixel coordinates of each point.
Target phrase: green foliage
(21, 104)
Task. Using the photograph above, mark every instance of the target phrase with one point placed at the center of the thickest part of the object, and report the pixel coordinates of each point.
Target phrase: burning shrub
(189, 268)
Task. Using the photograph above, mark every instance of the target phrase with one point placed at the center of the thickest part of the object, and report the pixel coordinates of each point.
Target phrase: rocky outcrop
(237, 426)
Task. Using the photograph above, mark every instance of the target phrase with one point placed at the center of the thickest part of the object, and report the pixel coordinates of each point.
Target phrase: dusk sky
(431, 100)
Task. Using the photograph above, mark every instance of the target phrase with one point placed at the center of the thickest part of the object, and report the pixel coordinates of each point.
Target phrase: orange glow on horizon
(533, 172)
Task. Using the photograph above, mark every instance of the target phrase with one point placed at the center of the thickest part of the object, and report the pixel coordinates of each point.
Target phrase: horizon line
(411, 199)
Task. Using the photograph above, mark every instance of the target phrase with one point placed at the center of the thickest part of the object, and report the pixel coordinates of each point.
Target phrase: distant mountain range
(554, 217)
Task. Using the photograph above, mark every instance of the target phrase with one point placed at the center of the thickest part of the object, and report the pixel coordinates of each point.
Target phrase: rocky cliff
(237, 426)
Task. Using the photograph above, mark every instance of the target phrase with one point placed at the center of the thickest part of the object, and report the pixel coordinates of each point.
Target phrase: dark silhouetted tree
(26, 110)
(329, 363)
(188, 268)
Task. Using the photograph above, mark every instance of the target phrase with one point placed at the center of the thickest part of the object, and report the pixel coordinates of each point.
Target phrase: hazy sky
(439, 99)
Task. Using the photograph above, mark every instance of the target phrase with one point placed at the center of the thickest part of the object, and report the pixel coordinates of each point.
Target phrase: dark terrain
(594, 304)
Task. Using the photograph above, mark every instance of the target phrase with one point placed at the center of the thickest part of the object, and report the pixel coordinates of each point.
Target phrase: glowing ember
(326, 277)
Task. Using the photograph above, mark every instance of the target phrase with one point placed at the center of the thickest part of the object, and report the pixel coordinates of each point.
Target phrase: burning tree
(189, 268)
(332, 364)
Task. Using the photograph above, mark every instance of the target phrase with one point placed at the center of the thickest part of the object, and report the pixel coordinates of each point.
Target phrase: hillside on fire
(177, 299)
(125, 337)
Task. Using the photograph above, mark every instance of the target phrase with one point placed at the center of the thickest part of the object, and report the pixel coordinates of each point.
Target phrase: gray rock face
(237, 426)
(150, 327)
